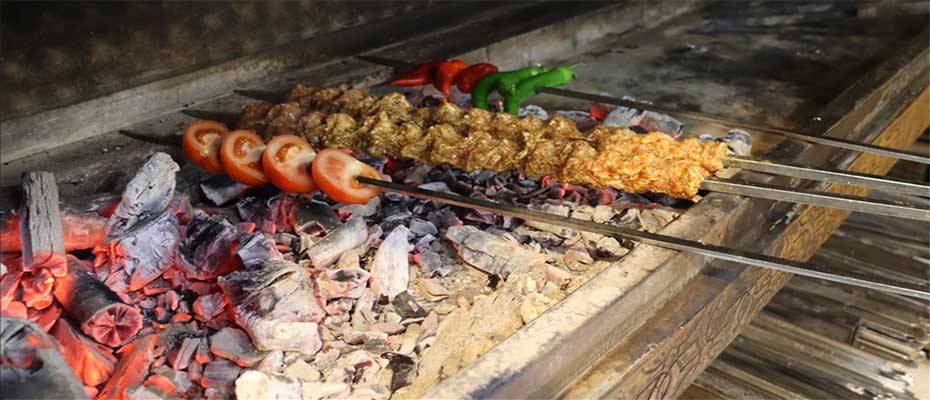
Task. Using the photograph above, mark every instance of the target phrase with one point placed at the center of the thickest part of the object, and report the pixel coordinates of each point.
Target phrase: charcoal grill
(646, 325)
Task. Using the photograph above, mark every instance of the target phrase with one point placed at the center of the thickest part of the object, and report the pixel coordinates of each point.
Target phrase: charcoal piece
(95, 307)
(390, 271)
(173, 382)
(138, 358)
(423, 243)
(221, 189)
(32, 366)
(438, 186)
(205, 251)
(150, 249)
(181, 356)
(234, 345)
(403, 368)
(431, 262)
(262, 206)
(276, 305)
(491, 253)
(145, 198)
(408, 307)
(444, 218)
(343, 283)
(422, 227)
(348, 236)
(622, 117)
(220, 374)
(90, 361)
(315, 213)
(208, 306)
(652, 121)
(256, 248)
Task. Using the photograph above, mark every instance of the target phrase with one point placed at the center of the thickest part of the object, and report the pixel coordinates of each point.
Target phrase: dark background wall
(53, 54)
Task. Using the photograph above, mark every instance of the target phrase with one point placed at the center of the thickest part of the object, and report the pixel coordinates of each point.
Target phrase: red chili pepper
(419, 75)
(468, 78)
(445, 73)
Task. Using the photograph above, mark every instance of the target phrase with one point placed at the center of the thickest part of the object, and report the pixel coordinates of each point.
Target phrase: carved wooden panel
(678, 359)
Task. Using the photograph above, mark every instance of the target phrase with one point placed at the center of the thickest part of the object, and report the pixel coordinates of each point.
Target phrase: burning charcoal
(421, 227)
(181, 357)
(209, 306)
(98, 309)
(315, 213)
(220, 374)
(491, 253)
(44, 318)
(172, 382)
(403, 368)
(339, 307)
(338, 283)
(221, 189)
(622, 117)
(255, 248)
(444, 218)
(390, 271)
(33, 367)
(91, 362)
(133, 366)
(257, 385)
(205, 250)
(350, 235)
(37, 288)
(14, 309)
(145, 198)
(408, 307)
(149, 250)
(234, 345)
(275, 303)
(259, 206)
(9, 284)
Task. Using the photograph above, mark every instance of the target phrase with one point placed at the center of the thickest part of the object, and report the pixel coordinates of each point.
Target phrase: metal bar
(227, 118)
(813, 197)
(264, 95)
(653, 239)
(824, 140)
(830, 175)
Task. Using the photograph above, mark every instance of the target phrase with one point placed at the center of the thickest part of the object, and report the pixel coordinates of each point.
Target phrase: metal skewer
(824, 140)
(668, 242)
(831, 175)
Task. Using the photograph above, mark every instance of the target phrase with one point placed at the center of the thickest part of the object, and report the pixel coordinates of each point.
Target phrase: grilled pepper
(530, 86)
(479, 95)
(419, 75)
(509, 82)
(469, 77)
(446, 71)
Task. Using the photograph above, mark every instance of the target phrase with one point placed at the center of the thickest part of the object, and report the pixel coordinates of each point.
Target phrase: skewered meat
(477, 139)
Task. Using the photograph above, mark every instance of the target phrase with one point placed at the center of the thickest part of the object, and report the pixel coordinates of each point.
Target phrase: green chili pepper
(508, 82)
(479, 95)
(530, 86)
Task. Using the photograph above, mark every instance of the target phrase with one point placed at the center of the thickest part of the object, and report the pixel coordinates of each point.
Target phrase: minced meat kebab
(477, 139)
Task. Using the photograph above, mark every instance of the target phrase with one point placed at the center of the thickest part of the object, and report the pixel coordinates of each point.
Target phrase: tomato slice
(287, 161)
(201, 144)
(241, 155)
(335, 171)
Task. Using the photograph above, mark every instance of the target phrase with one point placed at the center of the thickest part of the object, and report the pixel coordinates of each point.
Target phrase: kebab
(310, 108)
(479, 139)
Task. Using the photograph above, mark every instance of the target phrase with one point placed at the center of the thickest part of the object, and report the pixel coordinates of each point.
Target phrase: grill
(491, 282)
